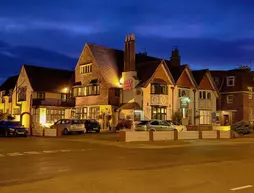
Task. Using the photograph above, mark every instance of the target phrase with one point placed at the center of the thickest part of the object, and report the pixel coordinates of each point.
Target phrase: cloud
(214, 33)
(13, 57)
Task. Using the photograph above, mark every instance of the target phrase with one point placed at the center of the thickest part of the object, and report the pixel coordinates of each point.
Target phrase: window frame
(159, 88)
(86, 68)
(228, 100)
(157, 113)
(230, 78)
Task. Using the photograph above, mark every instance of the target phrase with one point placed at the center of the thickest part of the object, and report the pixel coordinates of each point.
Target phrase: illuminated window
(94, 112)
(86, 68)
(159, 112)
(205, 117)
(230, 81)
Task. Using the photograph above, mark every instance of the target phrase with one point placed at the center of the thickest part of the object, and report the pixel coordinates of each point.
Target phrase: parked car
(154, 125)
(177, 125)
(12, 128)
(70, 125)
(92, 125)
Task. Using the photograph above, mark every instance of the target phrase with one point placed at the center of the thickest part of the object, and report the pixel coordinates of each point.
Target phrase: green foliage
(242, 128)
(177, 117)
(5, 116)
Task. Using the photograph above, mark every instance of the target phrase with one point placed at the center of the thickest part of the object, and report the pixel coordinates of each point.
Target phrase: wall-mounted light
(121, 81)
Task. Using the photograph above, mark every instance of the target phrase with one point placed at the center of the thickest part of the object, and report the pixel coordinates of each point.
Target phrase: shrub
(242, 128)
(177, 117)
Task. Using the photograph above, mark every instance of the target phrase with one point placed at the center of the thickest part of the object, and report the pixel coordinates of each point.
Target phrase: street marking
(242, 187)
(32, 152)
(65, 150)
(14, 154)
(50, 151)
(1, 155)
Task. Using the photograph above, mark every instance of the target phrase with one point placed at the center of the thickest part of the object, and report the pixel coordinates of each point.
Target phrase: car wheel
(65, 131)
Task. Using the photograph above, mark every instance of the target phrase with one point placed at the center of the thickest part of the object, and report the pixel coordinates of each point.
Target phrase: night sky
(217, 34)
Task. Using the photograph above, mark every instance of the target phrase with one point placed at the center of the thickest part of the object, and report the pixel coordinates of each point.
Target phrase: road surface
(99, 164)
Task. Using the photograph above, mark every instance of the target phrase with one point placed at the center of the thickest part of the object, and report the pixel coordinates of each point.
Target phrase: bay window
(158, 88)
(159, 112)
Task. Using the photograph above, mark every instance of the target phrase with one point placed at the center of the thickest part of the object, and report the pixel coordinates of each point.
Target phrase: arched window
(183, 93)
(204, 95)
(209, 95)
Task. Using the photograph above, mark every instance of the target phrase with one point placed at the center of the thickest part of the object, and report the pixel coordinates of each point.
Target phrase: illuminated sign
(184, 102)
(127, 85)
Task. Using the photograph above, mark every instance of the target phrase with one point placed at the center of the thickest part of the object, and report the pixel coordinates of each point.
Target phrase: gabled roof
(244, 78)
(199, 75)
(176, 71)
(9, 84)
(111, 62)
(48, 79)
(145, 71)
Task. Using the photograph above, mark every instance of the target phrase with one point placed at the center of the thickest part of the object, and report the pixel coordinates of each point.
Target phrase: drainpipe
(194, 91)
(173, 98)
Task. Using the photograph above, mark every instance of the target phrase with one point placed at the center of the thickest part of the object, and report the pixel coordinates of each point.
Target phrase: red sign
(127, 85)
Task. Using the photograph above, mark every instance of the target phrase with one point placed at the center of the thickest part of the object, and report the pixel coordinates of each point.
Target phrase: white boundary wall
(225, 134)
(136, 136)
(163, 135)
(209, 134)
(188, 135)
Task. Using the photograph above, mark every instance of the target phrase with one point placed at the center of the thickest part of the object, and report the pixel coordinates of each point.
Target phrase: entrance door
(226, 119)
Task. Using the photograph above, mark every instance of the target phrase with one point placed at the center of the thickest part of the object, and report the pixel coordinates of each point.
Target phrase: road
(98, 163)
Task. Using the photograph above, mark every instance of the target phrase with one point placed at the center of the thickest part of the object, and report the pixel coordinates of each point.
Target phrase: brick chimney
(175, 59)
(129, 53)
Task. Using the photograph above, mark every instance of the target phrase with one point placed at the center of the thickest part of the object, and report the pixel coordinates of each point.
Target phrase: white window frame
(86, 69)
(250, 92)
(229, 78)
(229, 101)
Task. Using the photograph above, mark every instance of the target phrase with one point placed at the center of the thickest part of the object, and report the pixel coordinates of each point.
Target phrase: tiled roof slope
(49, 79)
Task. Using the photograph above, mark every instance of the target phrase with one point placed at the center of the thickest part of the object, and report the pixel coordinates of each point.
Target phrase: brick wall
(241, 104)
(102, 99)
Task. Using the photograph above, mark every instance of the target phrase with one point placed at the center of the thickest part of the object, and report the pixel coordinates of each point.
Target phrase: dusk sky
(216, 34)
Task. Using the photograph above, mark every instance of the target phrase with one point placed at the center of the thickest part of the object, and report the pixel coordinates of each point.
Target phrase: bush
(177, 117)
(242, 128)
(124, 124)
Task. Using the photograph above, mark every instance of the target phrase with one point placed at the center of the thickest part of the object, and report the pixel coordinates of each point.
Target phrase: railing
(159, 99)
(205, 104)
(54, 102)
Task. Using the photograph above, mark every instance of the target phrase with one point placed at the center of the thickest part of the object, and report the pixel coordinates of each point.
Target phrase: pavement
(98, 163)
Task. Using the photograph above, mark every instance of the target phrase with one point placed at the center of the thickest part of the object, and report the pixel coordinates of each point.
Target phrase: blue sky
(217, 34)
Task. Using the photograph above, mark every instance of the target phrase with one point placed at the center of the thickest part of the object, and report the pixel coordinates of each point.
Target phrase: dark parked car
(12, 128)
(92, 125)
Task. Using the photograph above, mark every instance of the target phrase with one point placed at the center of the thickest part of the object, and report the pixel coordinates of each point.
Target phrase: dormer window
(86, 68)
(230, 81)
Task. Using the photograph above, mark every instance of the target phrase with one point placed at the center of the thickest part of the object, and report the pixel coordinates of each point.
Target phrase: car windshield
(142, 122)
